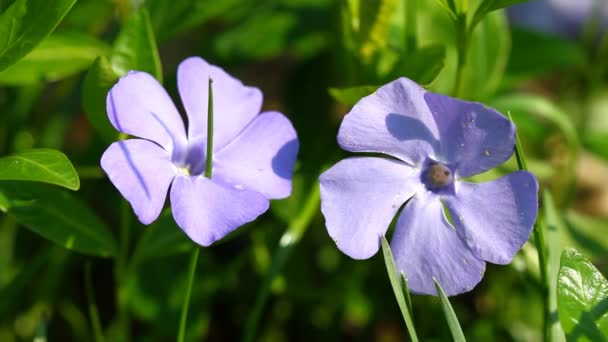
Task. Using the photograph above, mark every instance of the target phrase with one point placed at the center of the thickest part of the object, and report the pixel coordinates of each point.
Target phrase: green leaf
(57, 57)
(423, 65)
(450, 315)
(27, 22)
(535, 53)
(488, 6)
(350, 96)
(57, 216)
(40, 165)
(582, 298)
(135, 47)
(393, 276)
(100, 78)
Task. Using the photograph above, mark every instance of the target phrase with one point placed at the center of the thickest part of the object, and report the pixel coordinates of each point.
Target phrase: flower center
(191, 162)
(437, 176)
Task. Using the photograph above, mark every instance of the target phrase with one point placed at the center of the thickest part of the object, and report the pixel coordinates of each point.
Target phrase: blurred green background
(312, 59)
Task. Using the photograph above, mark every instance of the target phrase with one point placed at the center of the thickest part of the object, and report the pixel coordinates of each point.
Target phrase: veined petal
(426, 246)
(473, 137)
(142, 172)
(138, 105)
(394, 120)
(495, 218)
(207, 211)
(359, 198)
(234, 104)
(262, 157)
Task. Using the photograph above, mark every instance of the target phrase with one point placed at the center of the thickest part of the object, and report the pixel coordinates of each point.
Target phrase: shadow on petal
(283, 162)
(407, 128)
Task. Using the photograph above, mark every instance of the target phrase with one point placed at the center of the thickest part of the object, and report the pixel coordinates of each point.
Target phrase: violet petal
(495, 218)
(262, 157)
(473, 137)
(207, 211)
(360, 197)
(234, 104)
(426, 246)
(138, 105)
(142, 172)
(394, 120)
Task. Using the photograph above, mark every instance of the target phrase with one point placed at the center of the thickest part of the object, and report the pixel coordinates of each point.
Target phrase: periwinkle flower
(253, 154)
(435, 141)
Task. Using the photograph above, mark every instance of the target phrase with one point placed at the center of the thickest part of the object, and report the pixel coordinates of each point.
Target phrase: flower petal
(262, 157)
(138, 105)
(359, 198)
(473, 137)
(234, 104)
(142, 172)
(207, 211)
(495, 218)
(394, 120)
(426, 246)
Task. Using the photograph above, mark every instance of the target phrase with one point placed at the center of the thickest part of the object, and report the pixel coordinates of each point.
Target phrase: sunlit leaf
(27, 22)
(100, 78)
(582, 297)
(350, 96)
(40, 165)
(135, 47)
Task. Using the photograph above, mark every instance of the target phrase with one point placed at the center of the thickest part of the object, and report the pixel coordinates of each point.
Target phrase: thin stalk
(462, 43)
(194, 257)
(539, 238)
(120, 271)
(191, 273)
(93, 312)
(288, 241)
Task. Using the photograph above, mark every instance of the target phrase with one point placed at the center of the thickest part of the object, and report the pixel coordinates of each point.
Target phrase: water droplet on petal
(486, 152)
(239, 187)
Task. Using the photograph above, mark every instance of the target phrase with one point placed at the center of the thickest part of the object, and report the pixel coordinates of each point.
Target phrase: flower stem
(539, 238)
(184, 316)
(462, 37)
(120, 272)
(209, 161)
(194, 257)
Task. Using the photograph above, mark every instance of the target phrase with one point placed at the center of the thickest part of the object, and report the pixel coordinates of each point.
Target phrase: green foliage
(402, 300)
(487, 6)
(449, 314)
(25, 23)
(135, 47)
(98, 81)
(57, 216)
(57, 57)
(350, 96)
(582, 294)
(41, 165)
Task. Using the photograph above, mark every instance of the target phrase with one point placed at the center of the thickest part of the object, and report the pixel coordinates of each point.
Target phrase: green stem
(288, 241)
(462, 46)
(93, 312)
(194, 257)
(191, 273)
(539, 238)
(209, 161)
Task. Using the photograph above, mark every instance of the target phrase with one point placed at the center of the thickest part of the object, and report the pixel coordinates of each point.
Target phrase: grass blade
(93, 312)
(450, 315)
(404, 304)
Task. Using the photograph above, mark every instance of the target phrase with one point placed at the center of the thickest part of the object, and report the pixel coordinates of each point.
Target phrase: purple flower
(435, 141)
(253, 155)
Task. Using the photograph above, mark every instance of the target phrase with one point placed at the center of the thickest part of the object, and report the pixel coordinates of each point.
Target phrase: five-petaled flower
(436, 141)
(253, 155)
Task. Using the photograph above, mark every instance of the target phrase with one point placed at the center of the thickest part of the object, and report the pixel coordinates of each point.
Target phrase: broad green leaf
(423, 65)
(582, 298)
(487, 6)
(27, 22)
(135, 47)
(57, 57)
(450, 315)
(394, 278)
(57, 216)
(350, 96)
(534, 53)
(100, 78)
(40, 165)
